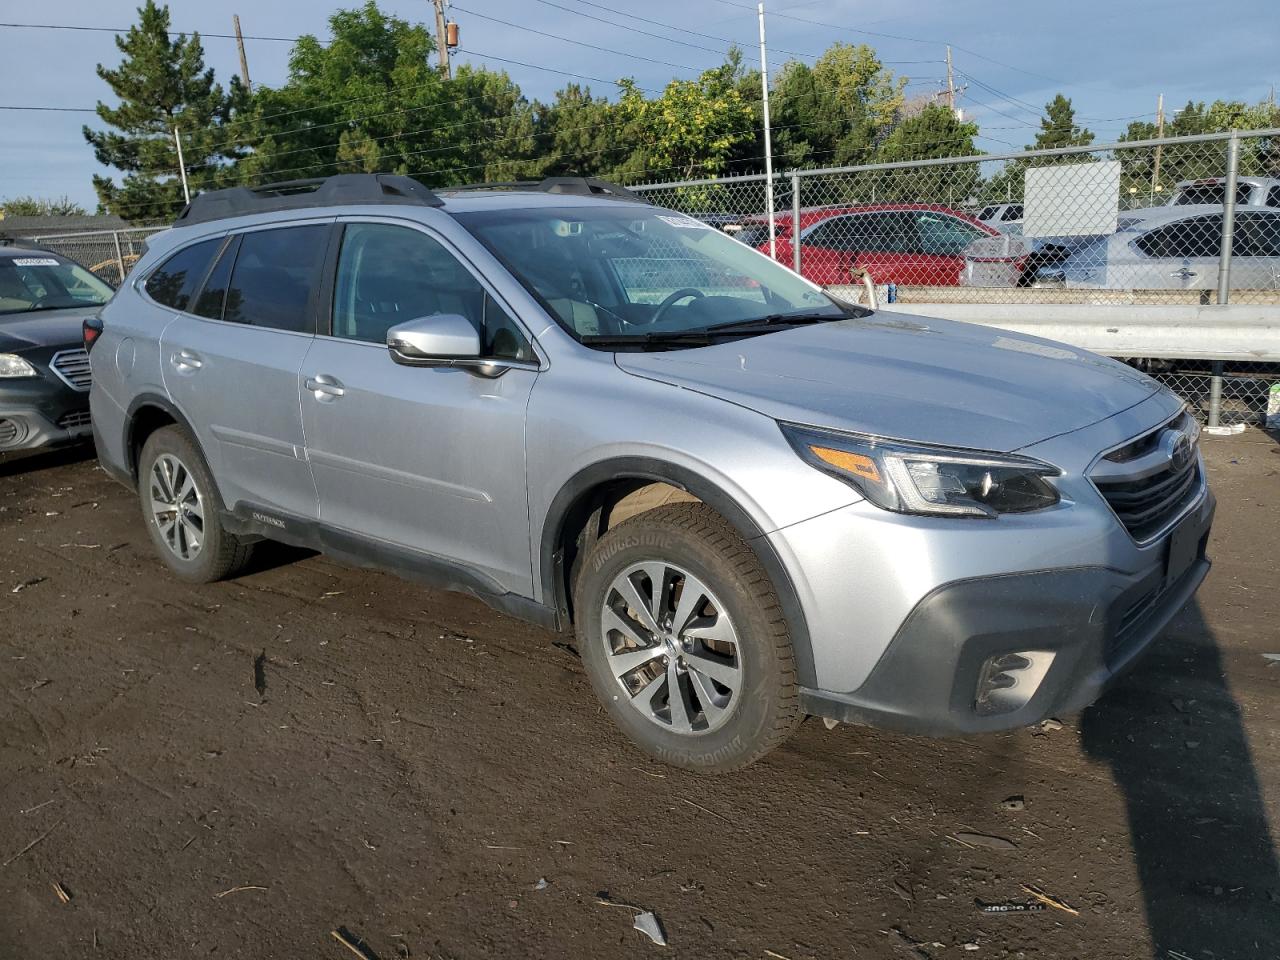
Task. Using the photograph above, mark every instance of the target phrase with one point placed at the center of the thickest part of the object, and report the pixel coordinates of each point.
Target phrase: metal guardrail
(1174, 332)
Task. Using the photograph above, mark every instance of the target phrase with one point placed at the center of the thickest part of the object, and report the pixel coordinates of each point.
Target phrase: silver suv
(751, 501)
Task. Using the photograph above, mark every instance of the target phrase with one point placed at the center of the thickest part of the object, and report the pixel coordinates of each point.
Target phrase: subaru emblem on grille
(1180, 455)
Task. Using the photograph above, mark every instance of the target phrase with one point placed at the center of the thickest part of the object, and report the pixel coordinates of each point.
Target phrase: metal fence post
(115, 238)
(1224, 265)
(795, 222)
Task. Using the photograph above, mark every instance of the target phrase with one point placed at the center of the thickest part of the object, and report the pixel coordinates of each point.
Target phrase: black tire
(220, 552)
(765, 709)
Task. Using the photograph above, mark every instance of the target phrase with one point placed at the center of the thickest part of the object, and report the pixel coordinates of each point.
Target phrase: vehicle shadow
(12, 464)
(1206, 862)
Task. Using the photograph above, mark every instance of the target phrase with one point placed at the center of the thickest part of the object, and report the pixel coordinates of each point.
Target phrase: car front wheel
(685, 641)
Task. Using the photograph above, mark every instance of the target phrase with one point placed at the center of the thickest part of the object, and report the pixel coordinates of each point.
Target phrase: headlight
(12, 365)
(930, 480)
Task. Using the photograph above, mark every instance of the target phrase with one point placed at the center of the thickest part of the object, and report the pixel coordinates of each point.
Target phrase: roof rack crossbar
(343, 188)
(571, 186)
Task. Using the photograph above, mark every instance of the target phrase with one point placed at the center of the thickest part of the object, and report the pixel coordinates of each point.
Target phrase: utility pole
(442, 41)
(1155, 170)
(768, 143)
(182, 166)
(951, 83)
(244, 61)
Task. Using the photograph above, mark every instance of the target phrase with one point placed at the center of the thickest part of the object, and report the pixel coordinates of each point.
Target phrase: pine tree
(1058, 127)
(162, 83)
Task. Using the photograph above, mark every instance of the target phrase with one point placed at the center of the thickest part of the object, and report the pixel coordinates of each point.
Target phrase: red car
(903, 243)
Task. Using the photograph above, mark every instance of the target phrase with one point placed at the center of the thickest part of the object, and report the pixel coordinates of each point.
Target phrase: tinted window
(1211, 193)
(389, 275)
(987, 213)
(274, 274)
(214, 294)
(1257, 235)
(175, 280)
(1193, 237)
(941, 235)
(1012, 212)
(1273, 197)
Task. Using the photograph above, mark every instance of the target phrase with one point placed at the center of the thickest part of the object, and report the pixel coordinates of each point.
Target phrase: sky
(1111, 58)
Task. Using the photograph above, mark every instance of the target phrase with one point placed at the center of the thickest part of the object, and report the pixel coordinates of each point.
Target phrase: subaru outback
(751, 501)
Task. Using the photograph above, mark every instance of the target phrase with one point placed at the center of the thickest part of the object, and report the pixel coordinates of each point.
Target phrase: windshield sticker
(684, 223)
(34, 262)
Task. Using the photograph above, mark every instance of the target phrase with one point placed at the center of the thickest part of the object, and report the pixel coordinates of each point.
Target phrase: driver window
(388, 275)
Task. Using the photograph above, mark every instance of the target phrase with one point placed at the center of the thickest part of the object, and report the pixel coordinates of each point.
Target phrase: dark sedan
(44, 369)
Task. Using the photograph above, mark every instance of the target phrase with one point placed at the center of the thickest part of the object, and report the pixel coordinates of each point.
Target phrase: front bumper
(41, 412)
(1096, 622)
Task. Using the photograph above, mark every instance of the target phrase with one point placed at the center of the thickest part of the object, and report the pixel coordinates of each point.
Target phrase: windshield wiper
(773, 320)
(644, 340)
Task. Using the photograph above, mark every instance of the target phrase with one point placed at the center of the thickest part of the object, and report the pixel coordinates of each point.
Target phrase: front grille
(73, 367)
(1150, 481)
(9, 431)
(76, 418)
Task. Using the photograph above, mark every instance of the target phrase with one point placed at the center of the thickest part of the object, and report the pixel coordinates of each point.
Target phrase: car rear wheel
(685, 641)
(180, 507)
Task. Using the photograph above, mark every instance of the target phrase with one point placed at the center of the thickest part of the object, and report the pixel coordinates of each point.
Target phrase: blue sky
(1112, 58)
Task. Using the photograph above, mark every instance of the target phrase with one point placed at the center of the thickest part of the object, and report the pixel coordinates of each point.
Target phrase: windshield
(45, 282)
(626, 270)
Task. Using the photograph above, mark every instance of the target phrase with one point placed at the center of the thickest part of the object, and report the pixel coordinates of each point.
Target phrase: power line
(579, 43)
(172, 33)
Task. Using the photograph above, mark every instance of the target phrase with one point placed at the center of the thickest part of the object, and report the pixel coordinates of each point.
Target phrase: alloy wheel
(177, 507)
(672, 647)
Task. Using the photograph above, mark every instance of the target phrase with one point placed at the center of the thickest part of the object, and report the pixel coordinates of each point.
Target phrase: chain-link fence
(108, 253)
(1191, 220)
(1153, 221)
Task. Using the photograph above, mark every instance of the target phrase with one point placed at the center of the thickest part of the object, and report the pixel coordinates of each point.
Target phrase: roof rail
(342, 188)
(572, 186)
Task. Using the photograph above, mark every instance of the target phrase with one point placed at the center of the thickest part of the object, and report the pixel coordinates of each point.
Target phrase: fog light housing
(1008, 681)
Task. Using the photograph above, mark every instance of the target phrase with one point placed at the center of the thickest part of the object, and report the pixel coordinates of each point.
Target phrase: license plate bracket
(1184, 547)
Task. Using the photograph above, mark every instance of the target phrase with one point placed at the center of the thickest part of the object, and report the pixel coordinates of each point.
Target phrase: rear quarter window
(174, 282)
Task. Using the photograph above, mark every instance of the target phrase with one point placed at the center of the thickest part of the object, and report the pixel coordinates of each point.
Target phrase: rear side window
(1257, 235)
(1012, 212)
(1215, 193)
(1194, 237)
(274, 275)
(174, 281)
(1273, 197)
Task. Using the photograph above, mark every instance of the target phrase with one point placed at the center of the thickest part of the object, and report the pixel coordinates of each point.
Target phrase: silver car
(751, 501)
(1161, 248)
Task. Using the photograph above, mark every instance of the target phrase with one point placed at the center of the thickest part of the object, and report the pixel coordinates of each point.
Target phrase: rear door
(232, 361)
(923, 247)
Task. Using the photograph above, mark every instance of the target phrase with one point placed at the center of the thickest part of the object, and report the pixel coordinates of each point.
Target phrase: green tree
(1258, 155)
(28, 206)
(931, 133)
(690, 130)
(1058, 128)
(371, 100)
(577, 134)
(835, 112)
(161, 83)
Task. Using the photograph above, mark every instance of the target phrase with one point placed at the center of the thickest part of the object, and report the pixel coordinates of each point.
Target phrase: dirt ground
(418, 765)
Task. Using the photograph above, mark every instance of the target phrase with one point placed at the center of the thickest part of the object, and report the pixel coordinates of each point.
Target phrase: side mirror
(442, 340)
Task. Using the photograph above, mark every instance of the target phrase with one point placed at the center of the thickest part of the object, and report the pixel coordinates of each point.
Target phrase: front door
(231, 365)
(426, 458)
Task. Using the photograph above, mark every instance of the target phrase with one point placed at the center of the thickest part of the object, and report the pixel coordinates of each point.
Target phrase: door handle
(1186, 273)
(186, 360)
(324, 387)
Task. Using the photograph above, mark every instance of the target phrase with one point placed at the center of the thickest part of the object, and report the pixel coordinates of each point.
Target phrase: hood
(44, 328)
(908, 378)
